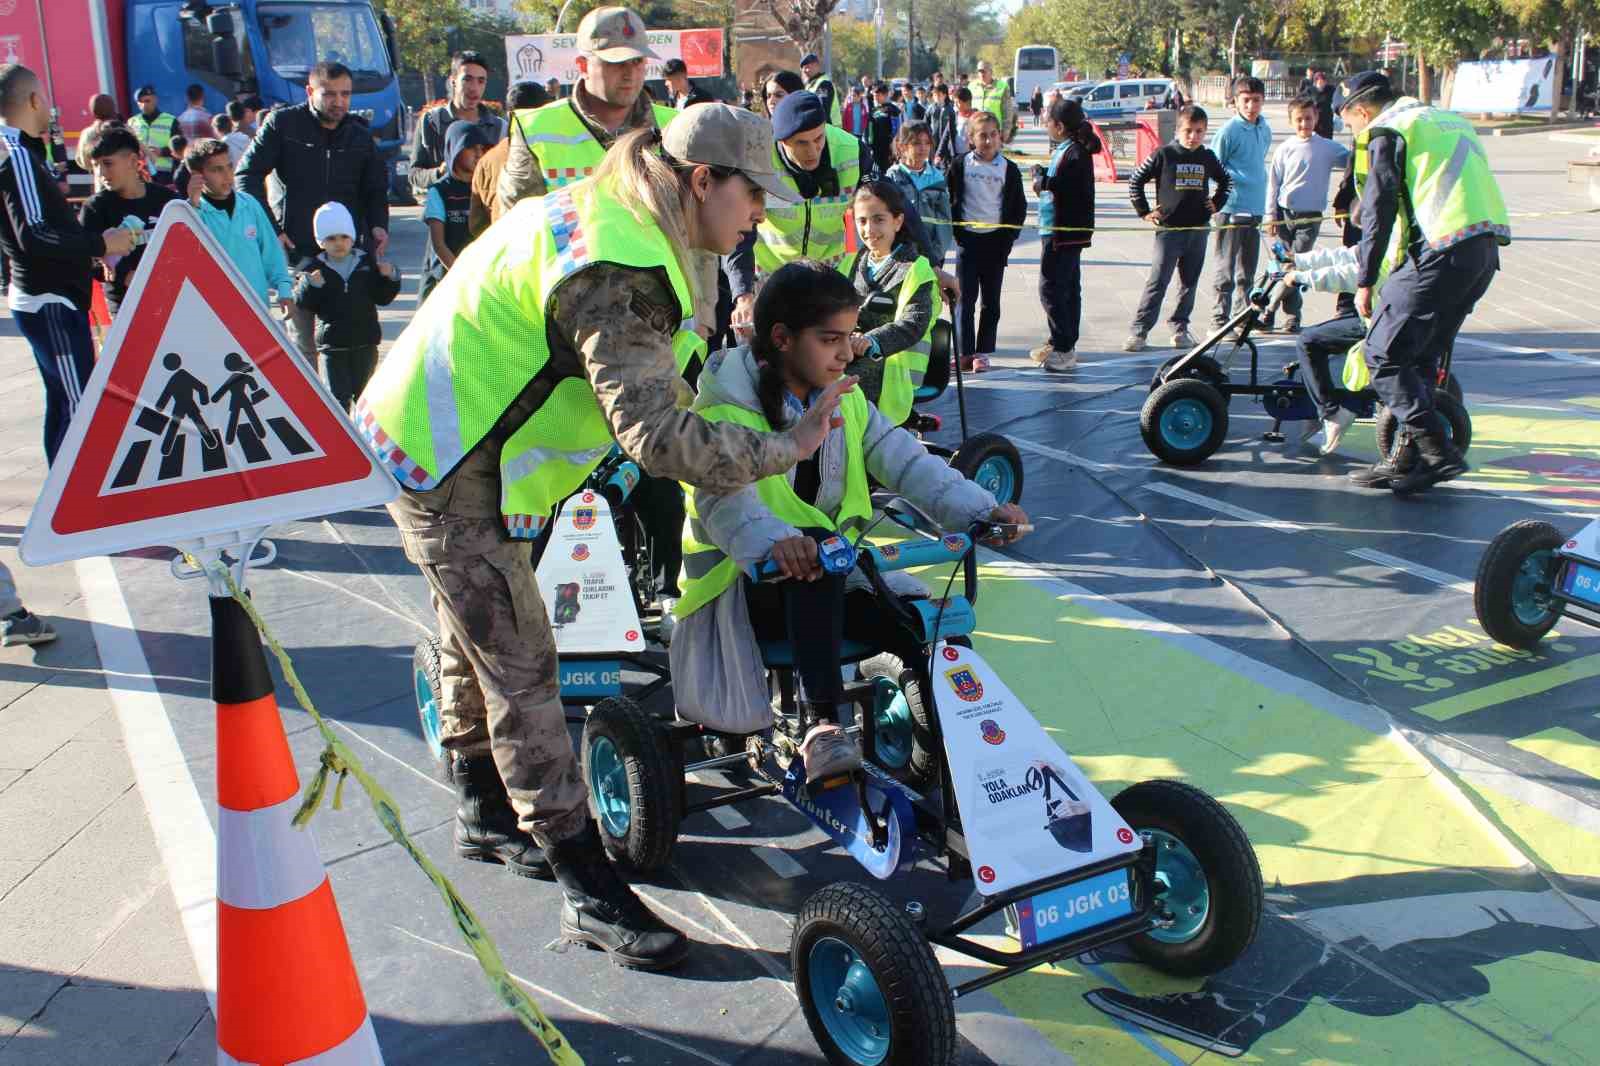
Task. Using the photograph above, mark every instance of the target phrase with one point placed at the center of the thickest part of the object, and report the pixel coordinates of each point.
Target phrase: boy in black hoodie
(1183, 211)
(344, 288)
(448, 209)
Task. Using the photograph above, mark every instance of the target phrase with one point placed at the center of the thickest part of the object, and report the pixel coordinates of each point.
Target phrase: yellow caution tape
(339, 759)
(1208, 227)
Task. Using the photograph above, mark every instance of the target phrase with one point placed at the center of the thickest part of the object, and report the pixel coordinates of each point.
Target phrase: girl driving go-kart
(804, 321)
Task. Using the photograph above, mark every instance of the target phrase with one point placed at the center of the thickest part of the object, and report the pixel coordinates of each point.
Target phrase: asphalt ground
(1425, 807)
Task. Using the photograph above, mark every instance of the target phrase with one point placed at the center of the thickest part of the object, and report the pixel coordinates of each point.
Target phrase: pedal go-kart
(957, 769)
(987, 458)
(595, 577)
(1531, 576)
(1185, 418)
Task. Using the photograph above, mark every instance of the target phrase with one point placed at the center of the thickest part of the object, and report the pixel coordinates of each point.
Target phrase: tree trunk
(1424, 81)
(1448, 77)
(911, 39)
(1558, 79)
(427, 85)
(956, 73)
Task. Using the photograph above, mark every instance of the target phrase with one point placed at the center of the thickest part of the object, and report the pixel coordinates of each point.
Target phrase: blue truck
(232, 48)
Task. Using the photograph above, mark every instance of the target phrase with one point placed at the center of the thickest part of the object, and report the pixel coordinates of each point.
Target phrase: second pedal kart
(1184, 419)
(955, 770)
(1531, 576)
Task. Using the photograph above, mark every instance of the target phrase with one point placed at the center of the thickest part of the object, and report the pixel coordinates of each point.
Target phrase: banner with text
(1504, 86)
(542, 56)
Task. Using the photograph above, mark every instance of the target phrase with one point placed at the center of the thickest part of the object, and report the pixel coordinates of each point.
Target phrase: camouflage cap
(718, 135)
(614, 35)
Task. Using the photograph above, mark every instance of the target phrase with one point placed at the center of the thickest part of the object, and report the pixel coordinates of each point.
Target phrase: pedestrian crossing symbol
(198, 420)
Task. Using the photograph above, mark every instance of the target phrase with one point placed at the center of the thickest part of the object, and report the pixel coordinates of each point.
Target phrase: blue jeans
(59, 337)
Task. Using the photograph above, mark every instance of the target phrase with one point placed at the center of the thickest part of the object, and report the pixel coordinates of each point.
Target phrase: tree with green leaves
(422, 34)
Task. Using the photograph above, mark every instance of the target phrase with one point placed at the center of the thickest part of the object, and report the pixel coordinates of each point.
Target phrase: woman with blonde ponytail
(551, 337)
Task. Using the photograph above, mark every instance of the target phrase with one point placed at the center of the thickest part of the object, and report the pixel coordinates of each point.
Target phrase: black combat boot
(600, 910)
(1380, 475)
(1437, 460)
(486, 826)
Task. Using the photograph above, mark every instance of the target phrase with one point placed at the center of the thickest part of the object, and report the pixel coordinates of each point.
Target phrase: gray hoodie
(717, 673)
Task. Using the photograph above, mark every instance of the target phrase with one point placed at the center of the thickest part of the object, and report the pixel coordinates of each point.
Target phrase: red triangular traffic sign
(197, 419)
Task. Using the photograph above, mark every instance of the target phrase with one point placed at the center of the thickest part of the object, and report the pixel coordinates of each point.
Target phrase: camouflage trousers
(497, 664)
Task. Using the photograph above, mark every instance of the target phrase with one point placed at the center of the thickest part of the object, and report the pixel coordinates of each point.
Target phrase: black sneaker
(25, 627)
(600, 911)
(486, 824)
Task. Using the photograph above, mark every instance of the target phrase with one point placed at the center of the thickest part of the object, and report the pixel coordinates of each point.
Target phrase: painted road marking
(1371, 555)
(1564, 748)
(779, 861)
(183, 833)
(1513, 688)
(728, 818)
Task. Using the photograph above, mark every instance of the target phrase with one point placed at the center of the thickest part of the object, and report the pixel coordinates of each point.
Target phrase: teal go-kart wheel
(1457, 423)
(1184, 421)
(1512, 592)
(903, 721)
(993, 462)
(1208, 883)
(633, 777)
(430, 691)
(868, 983)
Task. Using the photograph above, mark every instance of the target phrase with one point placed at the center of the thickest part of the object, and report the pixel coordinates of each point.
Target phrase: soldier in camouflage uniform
(522, 800)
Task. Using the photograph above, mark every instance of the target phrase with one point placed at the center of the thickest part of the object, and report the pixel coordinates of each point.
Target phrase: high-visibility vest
(991, 98)
(814, 228)
(566, 147)
(155, 133)
(1451, 194)
(707, 571)
(472, 349)
(833, 111)
(903, 371)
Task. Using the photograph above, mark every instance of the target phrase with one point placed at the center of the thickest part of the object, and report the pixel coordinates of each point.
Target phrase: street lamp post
(877, 35)
(1233, 49)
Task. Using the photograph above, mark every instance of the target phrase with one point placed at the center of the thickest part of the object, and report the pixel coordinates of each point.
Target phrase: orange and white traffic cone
(287, 991)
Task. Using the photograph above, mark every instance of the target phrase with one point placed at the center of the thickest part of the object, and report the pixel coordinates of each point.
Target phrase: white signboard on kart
(1027, 811)
(584, 581)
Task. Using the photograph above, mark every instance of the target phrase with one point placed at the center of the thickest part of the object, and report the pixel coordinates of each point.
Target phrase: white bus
(1037, 67)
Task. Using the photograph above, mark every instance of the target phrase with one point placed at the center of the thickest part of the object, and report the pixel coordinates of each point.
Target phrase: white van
(1125, 97)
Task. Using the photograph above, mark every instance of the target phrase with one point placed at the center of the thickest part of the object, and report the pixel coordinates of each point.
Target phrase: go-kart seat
(780, 653)
(937, 379)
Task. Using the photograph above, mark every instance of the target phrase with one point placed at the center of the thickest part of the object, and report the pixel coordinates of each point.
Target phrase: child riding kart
(948, 759)
(804, 320)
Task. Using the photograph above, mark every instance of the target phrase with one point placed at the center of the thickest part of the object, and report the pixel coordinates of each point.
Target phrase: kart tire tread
(1497, 572)
(926, 747)
(982, 446)
(1204, 368)
(1173, 391)
(426, 660)
(655, 777)
(921, 1009)
(1448, 406)
(1233, 874)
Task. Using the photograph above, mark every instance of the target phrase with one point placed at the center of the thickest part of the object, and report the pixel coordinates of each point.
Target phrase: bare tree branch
(802, 20)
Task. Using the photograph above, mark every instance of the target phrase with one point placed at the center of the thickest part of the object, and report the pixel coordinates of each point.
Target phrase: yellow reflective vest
(814, 228)
(991, 98)
(707, 572)
(155, 133)
(903, 371)
(565, 145)
(833, 112)
(472, 349)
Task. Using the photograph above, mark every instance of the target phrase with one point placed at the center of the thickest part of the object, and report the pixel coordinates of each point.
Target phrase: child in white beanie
(344, 287)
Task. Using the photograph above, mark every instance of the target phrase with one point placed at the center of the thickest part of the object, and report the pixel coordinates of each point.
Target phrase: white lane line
(1427, 573)
(780, 862)
(571, 1005)
(1256, 518)
(184, 837)
(368, 600)
(728, 818)
(1023, 444)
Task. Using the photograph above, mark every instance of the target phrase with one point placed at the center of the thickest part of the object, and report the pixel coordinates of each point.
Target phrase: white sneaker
(1060, 362)
(1041, 354)
(1134, 343)
(980, 362)
(1333, 429)
(1183, 339)
(1310, 437)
